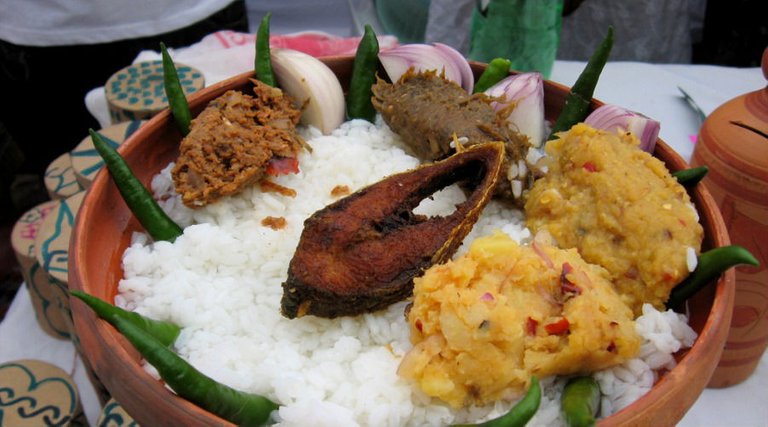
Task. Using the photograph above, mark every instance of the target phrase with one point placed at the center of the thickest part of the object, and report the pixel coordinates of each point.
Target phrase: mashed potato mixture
(621, 209)
(484, 323)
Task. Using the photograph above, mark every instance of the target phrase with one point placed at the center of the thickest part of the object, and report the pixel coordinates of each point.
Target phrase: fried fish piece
(427, 110)
(362, 252)
(232, 142)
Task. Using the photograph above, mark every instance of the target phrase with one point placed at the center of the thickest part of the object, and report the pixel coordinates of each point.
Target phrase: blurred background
(34, 70)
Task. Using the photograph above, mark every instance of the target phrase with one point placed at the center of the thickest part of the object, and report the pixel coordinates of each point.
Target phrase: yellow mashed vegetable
(487, 321)
(620, 208)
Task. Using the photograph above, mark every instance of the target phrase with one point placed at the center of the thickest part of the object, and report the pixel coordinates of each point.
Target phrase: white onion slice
(610, 117)
(427, 57)
(311, 84)
(526, 92)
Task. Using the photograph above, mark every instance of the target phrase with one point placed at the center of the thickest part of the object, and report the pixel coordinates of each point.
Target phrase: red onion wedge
(425, 57)
(524, 98)
(610, 117)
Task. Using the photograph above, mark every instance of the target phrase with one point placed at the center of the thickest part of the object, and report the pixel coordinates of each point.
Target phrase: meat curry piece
(362, 252)
(427, 110)
(233, 141)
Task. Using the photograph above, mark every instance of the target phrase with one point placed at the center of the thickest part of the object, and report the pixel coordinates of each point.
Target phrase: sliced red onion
(526, 92)
(426, 57)
(467, 78)
(610, 117)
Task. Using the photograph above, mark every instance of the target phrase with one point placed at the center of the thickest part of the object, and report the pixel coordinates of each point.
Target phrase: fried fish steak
(427, 110)
(232, 141)
(361, 253)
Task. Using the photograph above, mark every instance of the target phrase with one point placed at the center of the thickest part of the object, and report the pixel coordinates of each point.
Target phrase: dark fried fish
(426, 110)
(362, 252)
(232, 142)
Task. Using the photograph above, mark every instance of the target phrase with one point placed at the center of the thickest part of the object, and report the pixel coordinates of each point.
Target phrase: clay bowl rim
(115, 362)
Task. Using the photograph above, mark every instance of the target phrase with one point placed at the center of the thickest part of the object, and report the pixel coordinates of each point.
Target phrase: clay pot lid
(737, 131)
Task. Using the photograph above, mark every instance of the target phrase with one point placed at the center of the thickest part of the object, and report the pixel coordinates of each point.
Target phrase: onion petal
(426, 57)
(612, 117)
(312, 85)
(523, 96)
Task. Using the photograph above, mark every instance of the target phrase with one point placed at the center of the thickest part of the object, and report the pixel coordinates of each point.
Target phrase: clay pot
(104, 227)
(733, 143)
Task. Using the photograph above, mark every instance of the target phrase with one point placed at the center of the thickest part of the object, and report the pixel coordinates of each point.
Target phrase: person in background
(52, 52)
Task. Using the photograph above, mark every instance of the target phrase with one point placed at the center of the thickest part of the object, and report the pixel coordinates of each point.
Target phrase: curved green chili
(263, 62)
(243, 409)
(495, 72)
(165, 332)
(710, 265)
(520, 414)
(691, 176)
(577, 103)
(580, 402)
(359, 105)
(151, 216)
(177, 100)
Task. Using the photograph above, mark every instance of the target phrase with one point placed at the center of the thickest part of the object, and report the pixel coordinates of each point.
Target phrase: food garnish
(579, 98)
(241, 408)
(151, 216)
(520, 97)
(177, 101)
(363, 77)
(262, 59)
(520, 414)
(691, 176)
(313, 86)
(362, 252)
(494, 72)
(165, 332)
(437, 57)
(614, 118)
(710, 264)
(580, 401)
(235, 142)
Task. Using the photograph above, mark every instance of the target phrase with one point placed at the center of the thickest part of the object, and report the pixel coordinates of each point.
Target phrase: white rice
(221, 282)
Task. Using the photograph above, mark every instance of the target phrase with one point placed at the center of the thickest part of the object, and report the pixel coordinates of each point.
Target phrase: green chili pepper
(359, 105)
(263, 62)
(165, 332)
(177, 100)
(520, 414)
(692, 176)
(710, 265)
(577, 103)
(495, 72)
(580, 401)
(243, 409)
(157, 223)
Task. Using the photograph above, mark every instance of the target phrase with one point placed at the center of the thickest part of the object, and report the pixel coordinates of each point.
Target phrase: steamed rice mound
(484, 323)
(621, 208)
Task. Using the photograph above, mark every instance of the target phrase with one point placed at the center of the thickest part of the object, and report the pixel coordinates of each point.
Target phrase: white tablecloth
(647, 88)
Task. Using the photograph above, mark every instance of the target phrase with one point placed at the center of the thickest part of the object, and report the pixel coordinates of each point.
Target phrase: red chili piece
(560, 327)
(530, 326)
(589, 167)
(282, 166)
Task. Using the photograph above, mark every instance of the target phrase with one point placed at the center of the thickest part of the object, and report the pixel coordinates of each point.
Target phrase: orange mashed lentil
(620, 208)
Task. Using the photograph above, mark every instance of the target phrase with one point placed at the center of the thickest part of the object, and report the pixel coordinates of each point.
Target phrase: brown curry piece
(232, 141)
(429, 111)
(362, 252)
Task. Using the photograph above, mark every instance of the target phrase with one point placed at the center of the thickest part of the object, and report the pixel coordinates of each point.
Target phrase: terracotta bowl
(104, 226)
